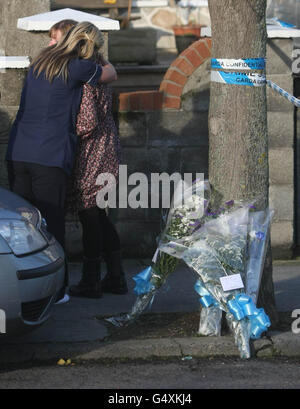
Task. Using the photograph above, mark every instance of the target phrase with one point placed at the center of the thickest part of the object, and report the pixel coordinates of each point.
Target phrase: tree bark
(238, 139)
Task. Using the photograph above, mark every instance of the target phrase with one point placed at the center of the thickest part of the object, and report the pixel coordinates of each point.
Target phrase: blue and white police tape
(254, 80)
(242, 306)
(238, 78)
(243, 64)
(142, 280)
(284, 93)
(206, 299)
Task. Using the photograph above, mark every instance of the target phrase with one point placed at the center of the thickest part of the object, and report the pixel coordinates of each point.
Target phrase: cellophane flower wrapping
(210, 321)
(234, 243)
(211, 317)
(220, 250)
(231, 240)
(259, 234)
(188, 206)
(258, 237)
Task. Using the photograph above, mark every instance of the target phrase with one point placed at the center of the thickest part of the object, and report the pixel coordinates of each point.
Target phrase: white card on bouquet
(233, 282)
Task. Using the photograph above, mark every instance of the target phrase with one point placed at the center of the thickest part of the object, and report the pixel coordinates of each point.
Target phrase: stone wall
(15, 42)
(177, 135)
(156, 142)
(281, 146)
(19, 42)
(166, 130)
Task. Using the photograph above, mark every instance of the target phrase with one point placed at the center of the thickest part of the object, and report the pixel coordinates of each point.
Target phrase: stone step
(139, 77)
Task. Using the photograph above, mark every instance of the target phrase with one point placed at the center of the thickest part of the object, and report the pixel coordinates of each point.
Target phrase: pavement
(78, 331)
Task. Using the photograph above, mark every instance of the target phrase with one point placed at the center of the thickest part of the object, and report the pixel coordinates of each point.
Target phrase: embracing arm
(109, 73)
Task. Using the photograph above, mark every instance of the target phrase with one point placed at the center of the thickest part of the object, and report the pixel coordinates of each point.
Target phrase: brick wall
(171, 89)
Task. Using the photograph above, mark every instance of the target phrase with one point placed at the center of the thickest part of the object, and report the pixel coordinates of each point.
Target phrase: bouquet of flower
(218, 252)
(210, 317)
(222, 255)
(226, 248)
(188, 206)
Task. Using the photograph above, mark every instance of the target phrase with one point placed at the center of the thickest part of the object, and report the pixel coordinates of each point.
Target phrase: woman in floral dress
(98, 151)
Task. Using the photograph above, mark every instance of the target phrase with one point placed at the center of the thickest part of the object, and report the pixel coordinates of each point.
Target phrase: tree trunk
(238, 141)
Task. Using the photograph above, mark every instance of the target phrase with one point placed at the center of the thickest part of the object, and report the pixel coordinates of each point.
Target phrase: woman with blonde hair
(59, 30)
(43, 138)
(98, 151)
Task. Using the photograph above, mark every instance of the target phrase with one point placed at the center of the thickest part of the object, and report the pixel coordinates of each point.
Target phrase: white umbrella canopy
(44, 21)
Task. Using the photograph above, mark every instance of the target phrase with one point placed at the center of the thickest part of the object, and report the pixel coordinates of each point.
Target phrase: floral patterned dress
(98, 147)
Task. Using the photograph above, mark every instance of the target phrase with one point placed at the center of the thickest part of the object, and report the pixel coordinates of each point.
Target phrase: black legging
(98, 233)
(43, 187)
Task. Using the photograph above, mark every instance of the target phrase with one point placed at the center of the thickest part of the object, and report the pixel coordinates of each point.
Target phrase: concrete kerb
(277, 344)
(73, 333)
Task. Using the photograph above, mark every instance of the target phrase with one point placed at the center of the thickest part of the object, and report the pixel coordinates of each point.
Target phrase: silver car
(32, 266)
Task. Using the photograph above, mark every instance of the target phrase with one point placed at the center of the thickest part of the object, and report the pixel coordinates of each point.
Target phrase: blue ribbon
(259, 323)
(242, 306)
(206, 299)
(142, 281)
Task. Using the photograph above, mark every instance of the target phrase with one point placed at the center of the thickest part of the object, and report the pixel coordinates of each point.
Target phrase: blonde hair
(63, 26)
(82, 41)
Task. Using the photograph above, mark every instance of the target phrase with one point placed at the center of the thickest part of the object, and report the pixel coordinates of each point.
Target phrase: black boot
(114, 282)
(90, 284)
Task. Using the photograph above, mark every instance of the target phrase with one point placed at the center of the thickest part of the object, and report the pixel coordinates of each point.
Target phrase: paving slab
(74, 331)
